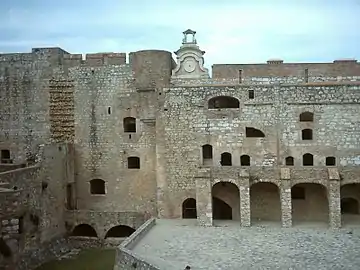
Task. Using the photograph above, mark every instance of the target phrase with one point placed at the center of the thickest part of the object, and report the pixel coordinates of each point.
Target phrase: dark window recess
(21, 225)
(245, 160)
(306, 75)
(240, 75)
(289, 161)
(5, 156)
(207, 151)
(69, 197)
(223, 102)
(251, 94)
(254, 133)
(44, 185)
(330, 161)
(226, 159)
(306, 117)
(133, 163)
(35, 220)
(308, 160)
(307, 134)
(298, 193)
(97, 186)
(109, 110)
(129, 124)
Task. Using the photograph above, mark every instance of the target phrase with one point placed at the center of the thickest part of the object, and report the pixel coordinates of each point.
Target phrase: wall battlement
(65, 58)
(277, 68)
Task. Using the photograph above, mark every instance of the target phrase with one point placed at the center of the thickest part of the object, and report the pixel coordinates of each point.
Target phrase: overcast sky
(230, 31)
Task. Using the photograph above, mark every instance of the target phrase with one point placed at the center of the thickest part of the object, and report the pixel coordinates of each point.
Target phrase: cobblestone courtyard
(173, 244)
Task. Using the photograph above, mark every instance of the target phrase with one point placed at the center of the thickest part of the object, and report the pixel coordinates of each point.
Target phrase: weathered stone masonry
(106, 142)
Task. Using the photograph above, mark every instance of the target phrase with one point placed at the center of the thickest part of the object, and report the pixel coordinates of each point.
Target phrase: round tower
(152, 68)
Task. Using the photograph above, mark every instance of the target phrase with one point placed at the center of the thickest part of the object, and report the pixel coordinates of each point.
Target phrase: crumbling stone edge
(125, 259)
(54, 250)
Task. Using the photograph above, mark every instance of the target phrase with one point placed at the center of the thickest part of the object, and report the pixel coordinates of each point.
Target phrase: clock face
(189, 65)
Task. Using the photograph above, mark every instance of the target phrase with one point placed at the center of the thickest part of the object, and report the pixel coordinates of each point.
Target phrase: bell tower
(190, 60)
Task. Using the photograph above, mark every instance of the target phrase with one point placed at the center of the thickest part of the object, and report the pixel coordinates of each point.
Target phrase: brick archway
(225, 201)
(265, 202)
(309, 204)
(350, 204)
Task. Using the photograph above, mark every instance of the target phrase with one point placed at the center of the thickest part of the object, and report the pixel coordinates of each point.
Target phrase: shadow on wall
(5, 249)
(120, 231)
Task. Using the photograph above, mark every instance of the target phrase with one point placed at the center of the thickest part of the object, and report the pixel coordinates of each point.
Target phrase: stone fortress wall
(135, 138)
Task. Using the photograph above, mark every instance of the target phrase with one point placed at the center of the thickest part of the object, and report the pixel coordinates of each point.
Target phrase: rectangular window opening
(251, 94)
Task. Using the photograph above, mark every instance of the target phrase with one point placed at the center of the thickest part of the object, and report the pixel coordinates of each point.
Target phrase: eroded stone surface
(232, 247)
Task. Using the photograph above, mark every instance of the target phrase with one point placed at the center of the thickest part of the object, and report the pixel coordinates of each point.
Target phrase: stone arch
(226, 159)
(309, 203)
(223, 102)
(349, 202)
(189, 208)
(84, 230)
(119, 231)
(265, 204)
(306, 117)
(225, 201)
(97, 186)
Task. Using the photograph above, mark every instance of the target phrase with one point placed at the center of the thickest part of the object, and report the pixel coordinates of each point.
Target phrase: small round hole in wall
(15, 188)
(159, 94)
(165, 110)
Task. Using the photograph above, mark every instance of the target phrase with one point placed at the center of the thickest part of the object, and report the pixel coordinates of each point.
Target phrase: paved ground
(173, 244)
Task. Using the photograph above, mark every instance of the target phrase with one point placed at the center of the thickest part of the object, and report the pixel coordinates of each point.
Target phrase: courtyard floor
(173, 244)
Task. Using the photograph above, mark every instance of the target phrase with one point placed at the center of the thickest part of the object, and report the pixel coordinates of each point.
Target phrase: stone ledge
(125, 258)
(133, 239)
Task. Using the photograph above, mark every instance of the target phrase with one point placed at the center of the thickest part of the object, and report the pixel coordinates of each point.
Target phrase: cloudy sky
(230, 31)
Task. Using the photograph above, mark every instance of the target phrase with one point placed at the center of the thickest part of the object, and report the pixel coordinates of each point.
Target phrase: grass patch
(91, 259)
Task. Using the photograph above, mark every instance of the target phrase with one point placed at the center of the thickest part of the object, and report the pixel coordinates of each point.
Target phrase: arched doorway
(265, 202)
(350, 210)
(189, 208)
(119, 231)
(309, 204)
(225, 201)
(84, 230)
(221, 210)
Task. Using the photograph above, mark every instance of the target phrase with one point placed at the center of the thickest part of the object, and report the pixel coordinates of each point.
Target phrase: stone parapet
(127, 259)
